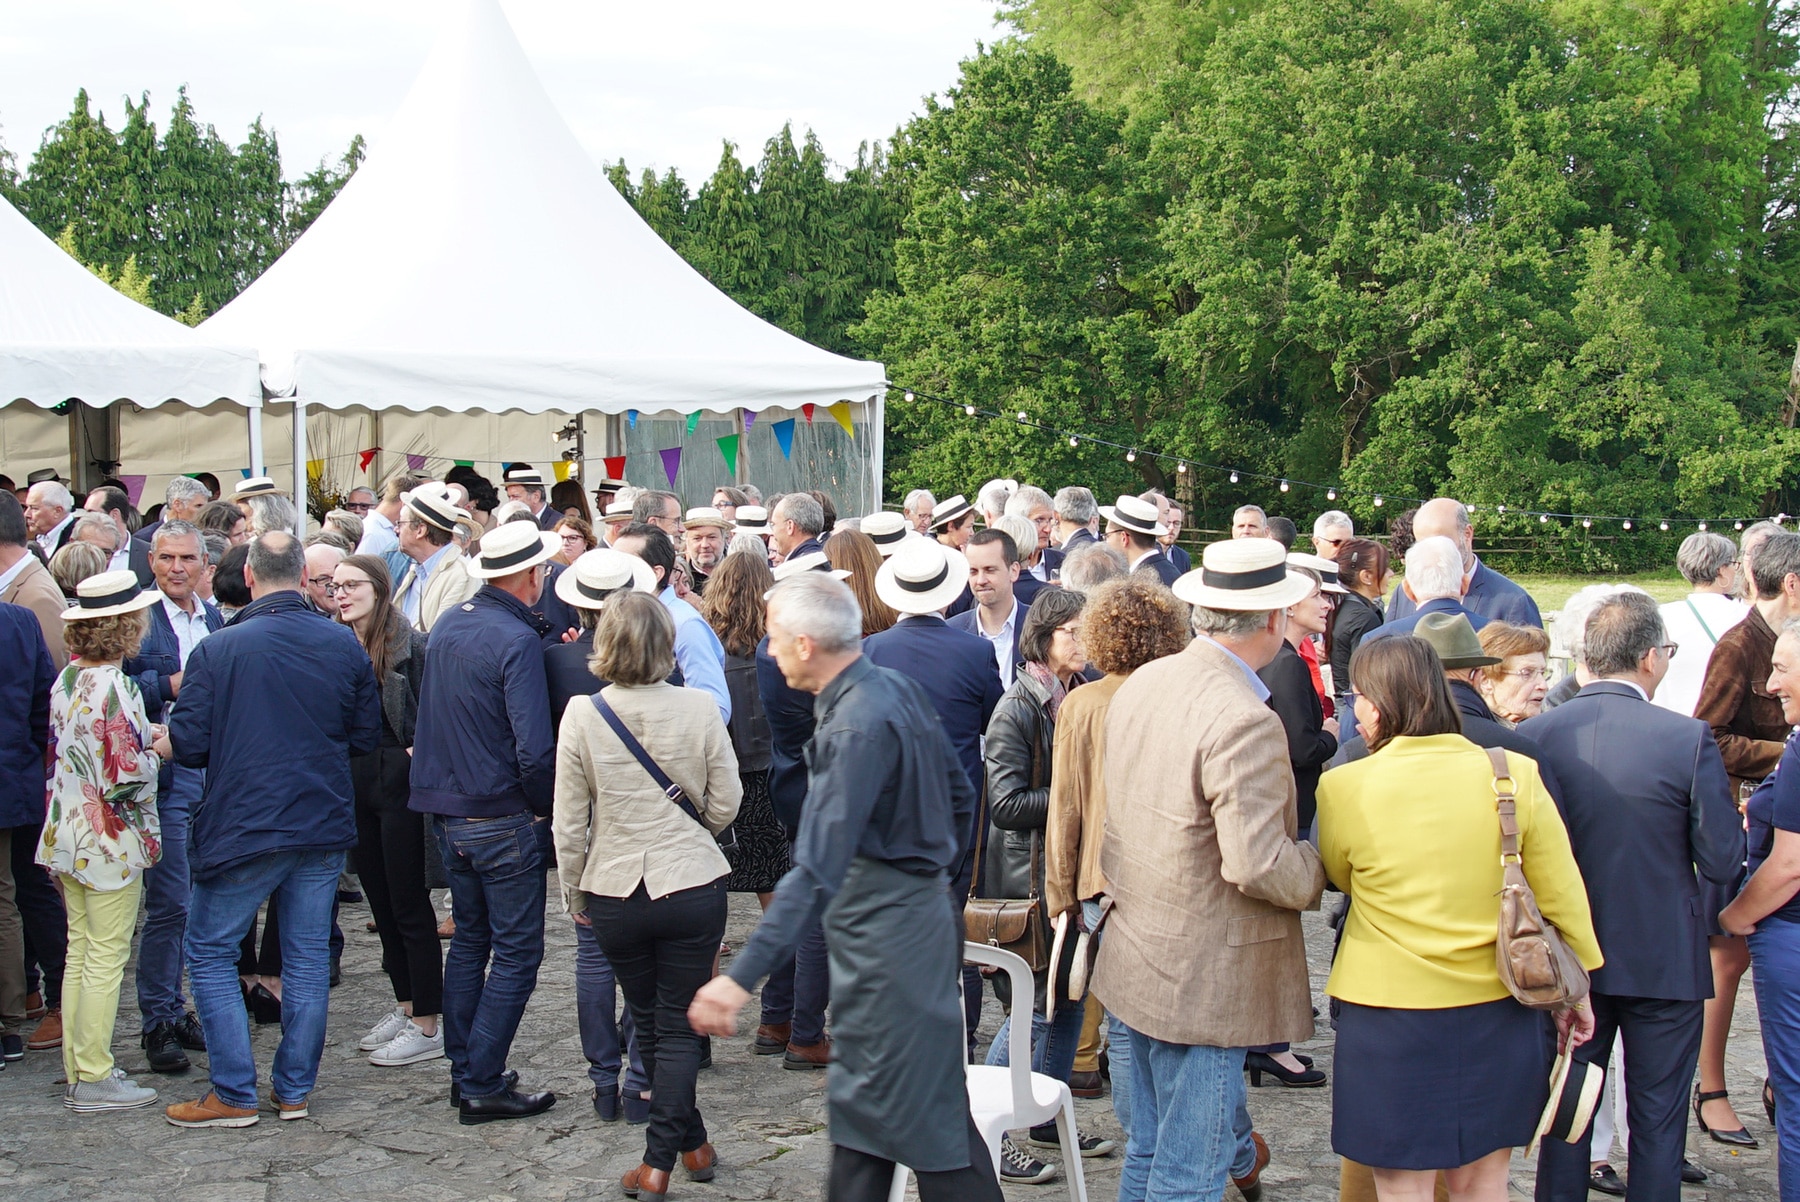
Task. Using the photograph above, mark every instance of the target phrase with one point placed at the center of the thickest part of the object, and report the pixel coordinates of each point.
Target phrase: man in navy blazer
(1647, 802)
(1074, 510)
(176, 626)
(1434, 574)
(1487, 593)
(999, 613)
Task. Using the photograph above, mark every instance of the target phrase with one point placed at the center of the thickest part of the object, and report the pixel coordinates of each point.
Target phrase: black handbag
(727, 838)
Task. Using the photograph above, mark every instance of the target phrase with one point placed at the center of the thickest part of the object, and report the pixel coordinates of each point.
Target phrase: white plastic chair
(1003, 1099)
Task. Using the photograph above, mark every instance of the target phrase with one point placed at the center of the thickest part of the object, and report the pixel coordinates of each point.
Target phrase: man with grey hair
(1435, 583)
(1249, 521)
(1487, 593)
(1075, 510)
(882, 830)
(795, 526)
(183, 500)
(269, 512)
(1088, 567)
(659, 509)
(1192, 734)
(49, 512)
(1710, 564)
(1648, 805)
(1748, 542)
(360, 500)
(992, 499)
(1331, 530)
(1033, 504)
(918, 507)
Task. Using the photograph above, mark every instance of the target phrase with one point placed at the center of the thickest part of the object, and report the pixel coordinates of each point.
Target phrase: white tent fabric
(480, 260)
(65, 335)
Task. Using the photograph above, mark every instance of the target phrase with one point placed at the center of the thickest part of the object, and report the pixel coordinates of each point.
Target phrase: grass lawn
(1550, 591)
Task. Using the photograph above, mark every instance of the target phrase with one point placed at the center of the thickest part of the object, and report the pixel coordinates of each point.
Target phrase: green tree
(76, 182)
(1118, 49)
(320, 186)
(725, 242)
(128, 279)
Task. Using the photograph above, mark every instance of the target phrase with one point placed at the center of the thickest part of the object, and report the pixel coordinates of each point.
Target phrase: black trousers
(662, 951)
(1662, 1045)
(41, 914)
(860, 1177)
(390, 862)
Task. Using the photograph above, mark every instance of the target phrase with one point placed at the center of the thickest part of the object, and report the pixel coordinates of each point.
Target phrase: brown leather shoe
(288, 1111)
(210, 1111)
(645, 1184)
(34, 1006)
(807, 1056)
(700, 1163)
(49, 1033)
(772, 1039)
(1087, 1085)
(1251, 1185)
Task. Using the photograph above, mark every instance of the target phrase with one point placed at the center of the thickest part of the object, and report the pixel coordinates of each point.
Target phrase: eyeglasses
(1073, 630)
(1529, 674)
(323, 583)
(572, 537)
(338, 588)
(1669, 649)
(358, 506)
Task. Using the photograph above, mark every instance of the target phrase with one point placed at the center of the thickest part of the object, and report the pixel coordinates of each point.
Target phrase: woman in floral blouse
(101, 831)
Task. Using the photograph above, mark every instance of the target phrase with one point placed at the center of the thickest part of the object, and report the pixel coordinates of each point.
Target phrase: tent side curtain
(47, 376)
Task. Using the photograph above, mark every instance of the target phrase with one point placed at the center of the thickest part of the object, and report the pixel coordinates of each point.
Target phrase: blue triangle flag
(631, 417)
(784, 434)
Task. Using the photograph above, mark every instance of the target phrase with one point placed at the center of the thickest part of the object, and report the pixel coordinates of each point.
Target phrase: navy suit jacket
(1647, 801)
(554, 610)
(970, 620)
(24, 716)
(139, 563)
(1162, 567)
(158, 658)
(1404, 625)
(1026, 588)
(1180, 558)
(790, 716)
(1490, 594)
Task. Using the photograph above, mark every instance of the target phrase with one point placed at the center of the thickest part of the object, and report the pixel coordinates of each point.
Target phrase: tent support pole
(256, 451)
(300, 479)
(877, 413)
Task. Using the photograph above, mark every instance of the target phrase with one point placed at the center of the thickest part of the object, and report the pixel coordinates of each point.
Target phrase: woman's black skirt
(760, 858)
(1437, 1089)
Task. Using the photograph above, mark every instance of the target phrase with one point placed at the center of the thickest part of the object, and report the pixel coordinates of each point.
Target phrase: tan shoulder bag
(1535, 962)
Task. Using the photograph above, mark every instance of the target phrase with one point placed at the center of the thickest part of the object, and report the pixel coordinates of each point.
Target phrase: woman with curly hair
(1127, 623)
(856, 553)
(101, 831)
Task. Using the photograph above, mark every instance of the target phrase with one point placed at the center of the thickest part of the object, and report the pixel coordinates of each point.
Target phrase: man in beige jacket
(25, 581)
(1202, 955)
(439, 577)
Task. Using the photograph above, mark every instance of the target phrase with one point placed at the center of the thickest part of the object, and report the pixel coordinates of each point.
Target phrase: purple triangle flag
(415, 463)
(671, 458)
(784, 434)
(749, 418)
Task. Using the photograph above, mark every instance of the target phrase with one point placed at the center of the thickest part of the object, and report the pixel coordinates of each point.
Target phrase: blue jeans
(1053, 1043)
(220, 911)
(1190, 1130)
(800, 989)
(496, 868)
(166, 890)
(1118, 1041)
(1775, 954)
(597, 1014)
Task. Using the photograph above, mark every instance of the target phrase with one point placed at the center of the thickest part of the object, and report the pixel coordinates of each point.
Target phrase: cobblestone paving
(389, 1134)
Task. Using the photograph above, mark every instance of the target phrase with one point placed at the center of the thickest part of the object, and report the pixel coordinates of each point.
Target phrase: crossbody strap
(1695, 609)
(671, 790)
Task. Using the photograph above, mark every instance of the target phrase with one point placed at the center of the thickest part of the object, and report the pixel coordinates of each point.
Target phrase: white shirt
(1696, 622)
(1148, 555)
(1002, 641)
(121, 559)
(189, 628)
(379, 536)
(47, 540)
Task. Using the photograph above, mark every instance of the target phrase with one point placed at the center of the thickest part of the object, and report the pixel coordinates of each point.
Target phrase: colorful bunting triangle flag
(561, 468)
(134, 487)
(315, 468)
(631, 417)
(749, 418)
(808, 410)
(421, 462)
(365, 458)
(246, 472)
(615, 467)
(841, 411)
(416, 463)
(671, 458)
(784, 434)
(693, 421)
(728, 447)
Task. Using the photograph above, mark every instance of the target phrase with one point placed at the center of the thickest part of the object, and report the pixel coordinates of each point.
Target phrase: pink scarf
(1042, 674)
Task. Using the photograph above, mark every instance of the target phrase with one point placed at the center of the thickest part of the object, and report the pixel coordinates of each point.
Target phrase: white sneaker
(117, 1092)
(383, 1032)
(409, 1047)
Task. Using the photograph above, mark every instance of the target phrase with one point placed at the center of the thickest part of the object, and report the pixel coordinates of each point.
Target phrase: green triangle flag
(728, 447)
(693, 421)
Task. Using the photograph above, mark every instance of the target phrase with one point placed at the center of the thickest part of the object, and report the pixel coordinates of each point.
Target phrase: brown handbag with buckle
(1016, 925)
(1535, 962)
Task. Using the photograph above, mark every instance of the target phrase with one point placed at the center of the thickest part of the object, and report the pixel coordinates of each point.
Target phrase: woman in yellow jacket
(1436, 1066)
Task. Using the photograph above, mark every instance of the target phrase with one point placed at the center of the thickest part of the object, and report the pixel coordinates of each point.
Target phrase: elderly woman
(346, 523)
(1018, 753)
(644, 867)
(1437, 1067)
(1768, 911)
(1712, 565)
(75, 562)
(1515, 687)
(101, 831)
(578, 539)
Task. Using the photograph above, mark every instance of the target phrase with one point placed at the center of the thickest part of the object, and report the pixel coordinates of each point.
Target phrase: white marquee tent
(480, 262)
(65, 335)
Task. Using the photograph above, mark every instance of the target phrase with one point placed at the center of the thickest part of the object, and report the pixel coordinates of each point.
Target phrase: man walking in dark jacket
(24, 737)
(484, 768)
(272, 707)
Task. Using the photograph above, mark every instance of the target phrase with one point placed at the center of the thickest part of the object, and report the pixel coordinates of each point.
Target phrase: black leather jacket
(1020, 738)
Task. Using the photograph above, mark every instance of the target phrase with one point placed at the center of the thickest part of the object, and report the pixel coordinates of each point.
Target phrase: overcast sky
(656, 83)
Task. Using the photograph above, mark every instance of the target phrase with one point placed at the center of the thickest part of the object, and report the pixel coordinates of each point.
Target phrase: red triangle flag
(808, 410)
(615, 467)
(364, 458)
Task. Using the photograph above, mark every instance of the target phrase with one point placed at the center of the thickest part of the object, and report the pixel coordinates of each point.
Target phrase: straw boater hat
(46, 475)
(1574, 1092)
(512, 547)
(610, 483)
(752, 519)
(433, 503)
(945, 512)
(253, 486)
(524, 474)
(812, 561)
(1136, 515)
(706, 515)
(1326, 568)
(596, 574)
(1243, 574)
(618, 511)
(1453, 637)
(887, 531)
(109, 593)
(922, 577)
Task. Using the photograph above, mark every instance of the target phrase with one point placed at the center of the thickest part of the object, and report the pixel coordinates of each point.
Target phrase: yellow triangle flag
(315, 468)
(561, 467)
(841, 411)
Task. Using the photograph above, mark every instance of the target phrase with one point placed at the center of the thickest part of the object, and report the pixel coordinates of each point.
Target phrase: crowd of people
(872, 724)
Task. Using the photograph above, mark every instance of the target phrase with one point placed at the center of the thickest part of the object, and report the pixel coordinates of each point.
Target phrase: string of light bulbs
(1333, 492)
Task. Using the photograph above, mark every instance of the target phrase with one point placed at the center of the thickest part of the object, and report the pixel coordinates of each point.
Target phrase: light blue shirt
(421, 577)
(698, 652)
(1256, 684)
(379, 535)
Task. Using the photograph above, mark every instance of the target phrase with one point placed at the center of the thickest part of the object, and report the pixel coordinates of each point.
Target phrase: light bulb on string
(1738, 526)
(1130, 456)
(1022, 416)
(1703, 527)
(1378, 502)
(1234, 477)
(1543, 517)
(1499, 509)
(1074, 441)
(1663, 526)
(969, 409)
(1331, 494)
(1284, 486)
(1627, 523)
(1182, 467)
(909, 396)
(1587, 523)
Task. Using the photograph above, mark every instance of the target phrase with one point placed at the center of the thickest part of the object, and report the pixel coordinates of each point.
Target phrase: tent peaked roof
(65, 335)
(479, 259)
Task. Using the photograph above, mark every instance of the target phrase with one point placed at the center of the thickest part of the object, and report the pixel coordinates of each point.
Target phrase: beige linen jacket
(611, 825)
(1203, 945)
(36, 590)
(449, 586)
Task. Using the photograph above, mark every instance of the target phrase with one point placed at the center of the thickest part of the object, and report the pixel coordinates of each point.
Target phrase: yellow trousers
(100, 928)
(1087, 1052)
